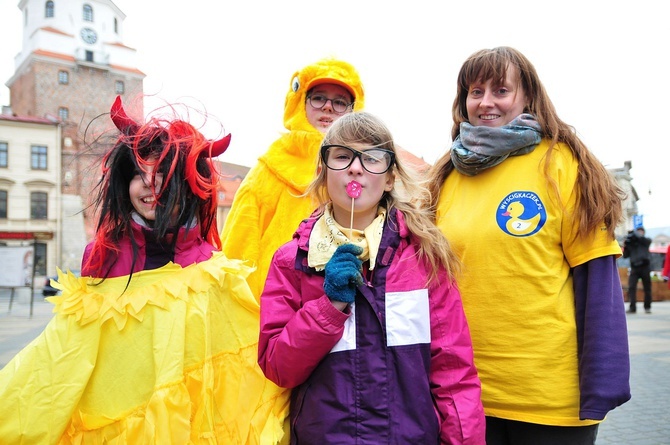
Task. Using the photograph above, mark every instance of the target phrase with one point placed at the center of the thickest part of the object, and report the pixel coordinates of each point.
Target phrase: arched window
(49, 9)
(88, 13)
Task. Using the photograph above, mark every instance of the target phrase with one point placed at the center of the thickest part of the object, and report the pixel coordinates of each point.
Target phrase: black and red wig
(182, 155)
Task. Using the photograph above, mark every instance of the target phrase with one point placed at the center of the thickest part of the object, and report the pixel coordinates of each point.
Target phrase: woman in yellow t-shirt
(531, 213)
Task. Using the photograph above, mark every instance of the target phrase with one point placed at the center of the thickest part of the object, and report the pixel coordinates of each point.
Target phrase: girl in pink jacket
(360, 314)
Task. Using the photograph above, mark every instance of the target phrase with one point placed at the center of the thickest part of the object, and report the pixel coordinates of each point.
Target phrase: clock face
(89, 35)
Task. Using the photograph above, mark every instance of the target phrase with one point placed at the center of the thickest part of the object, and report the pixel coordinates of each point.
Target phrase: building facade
(30, 189)
(230, 178)
(623, 178)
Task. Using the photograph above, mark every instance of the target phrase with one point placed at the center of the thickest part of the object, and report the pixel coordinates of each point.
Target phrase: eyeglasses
(319, 101)
(374, 160)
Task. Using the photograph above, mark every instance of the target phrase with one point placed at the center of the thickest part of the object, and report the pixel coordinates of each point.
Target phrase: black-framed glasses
(319, 101)
(373, 160)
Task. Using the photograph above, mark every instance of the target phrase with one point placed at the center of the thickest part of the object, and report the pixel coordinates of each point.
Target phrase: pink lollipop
(354, 189)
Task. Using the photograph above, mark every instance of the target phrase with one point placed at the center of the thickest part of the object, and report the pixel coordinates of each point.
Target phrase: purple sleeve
(602, 338)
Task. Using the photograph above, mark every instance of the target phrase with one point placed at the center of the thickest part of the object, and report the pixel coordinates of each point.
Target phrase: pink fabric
(189, 249)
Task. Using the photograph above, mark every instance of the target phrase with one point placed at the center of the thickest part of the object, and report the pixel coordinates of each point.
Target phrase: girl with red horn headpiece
(156, 342)
(158, 179)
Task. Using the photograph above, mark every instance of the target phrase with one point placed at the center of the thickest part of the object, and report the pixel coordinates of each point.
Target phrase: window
(116, 26)
(4, 154)
(119, 87)
(63, 77)
(63, 113)
(88, 13)
(38, 205)
(38, 157)
(89, 56)
(49, 9)
(3, 204)
(40, 258)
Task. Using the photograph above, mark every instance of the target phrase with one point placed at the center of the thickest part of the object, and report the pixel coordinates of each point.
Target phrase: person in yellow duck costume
(157, 341)
(269, 205)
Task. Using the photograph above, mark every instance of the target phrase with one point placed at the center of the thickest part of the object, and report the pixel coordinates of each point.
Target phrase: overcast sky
(604, 64)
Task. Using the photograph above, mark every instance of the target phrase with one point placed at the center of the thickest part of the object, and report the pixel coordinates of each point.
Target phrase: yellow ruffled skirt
(170, 360)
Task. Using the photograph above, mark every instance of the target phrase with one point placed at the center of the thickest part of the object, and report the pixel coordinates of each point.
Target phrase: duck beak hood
(329, 70)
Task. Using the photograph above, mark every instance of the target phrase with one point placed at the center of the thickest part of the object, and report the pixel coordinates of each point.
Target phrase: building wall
(20, 180)
(26, 101)
(73, 237)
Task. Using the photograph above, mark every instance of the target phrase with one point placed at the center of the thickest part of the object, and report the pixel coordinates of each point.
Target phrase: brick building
(72, 65)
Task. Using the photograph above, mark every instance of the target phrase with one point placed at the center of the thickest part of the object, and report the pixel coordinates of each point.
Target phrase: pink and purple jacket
(396, 369)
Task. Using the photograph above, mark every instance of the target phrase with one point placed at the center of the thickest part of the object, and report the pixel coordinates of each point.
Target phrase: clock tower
(72, 65)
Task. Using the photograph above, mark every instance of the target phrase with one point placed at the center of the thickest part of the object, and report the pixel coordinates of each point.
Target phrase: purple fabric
(602, 338)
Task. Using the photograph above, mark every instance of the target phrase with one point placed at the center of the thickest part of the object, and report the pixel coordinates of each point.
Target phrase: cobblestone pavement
(643, 420)
(18, 327)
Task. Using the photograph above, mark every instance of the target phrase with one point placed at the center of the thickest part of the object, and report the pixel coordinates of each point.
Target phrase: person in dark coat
(636, 247)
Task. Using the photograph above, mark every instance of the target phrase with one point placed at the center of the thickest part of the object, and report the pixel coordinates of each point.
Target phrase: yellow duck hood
(293, 157)
(324, 71)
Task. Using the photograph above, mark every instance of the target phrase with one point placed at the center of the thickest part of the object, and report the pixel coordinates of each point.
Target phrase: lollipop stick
(354, 191)
(351, 223)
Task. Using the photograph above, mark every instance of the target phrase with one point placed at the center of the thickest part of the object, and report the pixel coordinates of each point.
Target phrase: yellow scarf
(327, 235)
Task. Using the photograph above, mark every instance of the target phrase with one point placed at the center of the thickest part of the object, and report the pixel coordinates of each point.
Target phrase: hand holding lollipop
(354, 191)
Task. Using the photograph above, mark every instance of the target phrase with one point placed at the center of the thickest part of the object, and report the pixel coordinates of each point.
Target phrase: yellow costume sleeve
(269, 205)
(170, 360)
(241, 234)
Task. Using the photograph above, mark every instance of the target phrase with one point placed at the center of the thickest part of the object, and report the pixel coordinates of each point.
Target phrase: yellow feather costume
(172, 360)
(268, 206)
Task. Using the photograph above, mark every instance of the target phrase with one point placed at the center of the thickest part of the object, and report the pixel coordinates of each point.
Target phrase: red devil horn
(218, 147)
(121, 119)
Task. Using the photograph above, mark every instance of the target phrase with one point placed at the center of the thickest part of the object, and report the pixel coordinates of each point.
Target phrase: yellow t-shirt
(518, 243)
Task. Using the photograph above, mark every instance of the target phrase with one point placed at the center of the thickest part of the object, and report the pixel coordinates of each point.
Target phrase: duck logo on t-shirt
(521, 213)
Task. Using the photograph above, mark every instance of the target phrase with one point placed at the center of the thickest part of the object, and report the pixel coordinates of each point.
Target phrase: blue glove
(343, 273)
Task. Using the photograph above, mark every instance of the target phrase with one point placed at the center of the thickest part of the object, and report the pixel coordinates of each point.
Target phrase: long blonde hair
(408, 195)
(599, 197)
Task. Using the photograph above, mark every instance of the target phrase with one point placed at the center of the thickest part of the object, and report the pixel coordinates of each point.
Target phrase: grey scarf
(478, 148)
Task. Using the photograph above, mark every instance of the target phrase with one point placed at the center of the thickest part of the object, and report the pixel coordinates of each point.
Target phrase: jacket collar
(395, 230)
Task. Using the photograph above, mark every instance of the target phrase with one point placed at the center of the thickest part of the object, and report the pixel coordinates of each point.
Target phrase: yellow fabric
(516, 286)
(327, 235)
(269, 206)
(172, 360)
